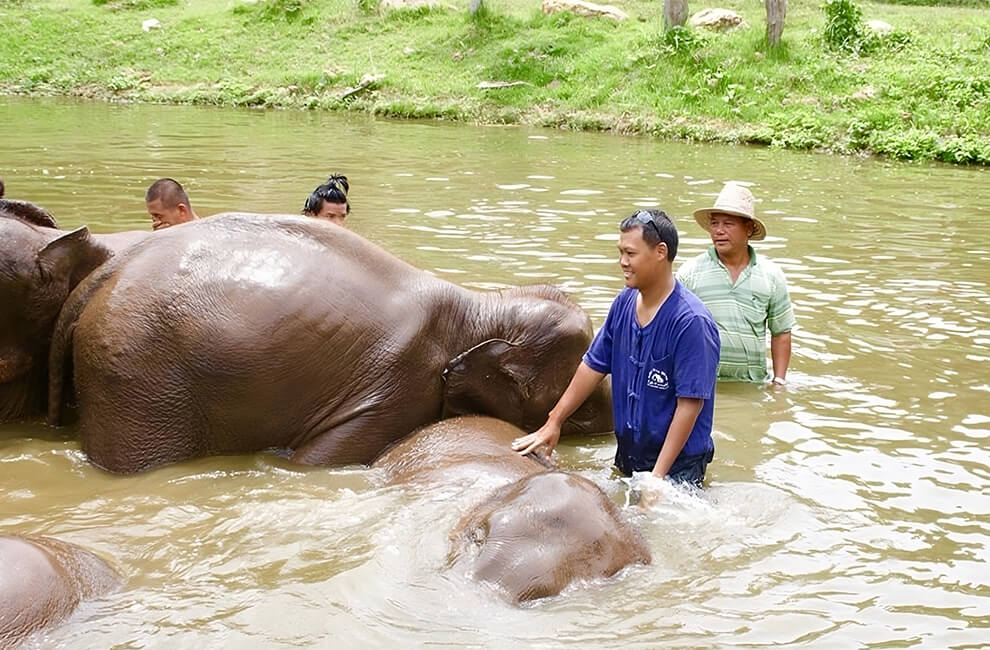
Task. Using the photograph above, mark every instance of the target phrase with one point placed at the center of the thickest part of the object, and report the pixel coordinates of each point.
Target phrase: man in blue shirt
(661, 346)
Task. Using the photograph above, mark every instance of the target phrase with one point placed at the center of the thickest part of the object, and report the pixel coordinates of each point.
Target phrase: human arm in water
(678, 432)
(780, 354)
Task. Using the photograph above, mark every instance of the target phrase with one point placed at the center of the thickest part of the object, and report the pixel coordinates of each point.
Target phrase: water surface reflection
(848, 510)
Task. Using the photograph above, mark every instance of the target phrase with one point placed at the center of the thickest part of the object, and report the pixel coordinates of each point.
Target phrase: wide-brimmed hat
(736, 200)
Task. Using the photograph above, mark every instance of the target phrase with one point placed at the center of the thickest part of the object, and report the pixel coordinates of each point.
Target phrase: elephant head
(535, 536)
(39, 267)
(536, 341)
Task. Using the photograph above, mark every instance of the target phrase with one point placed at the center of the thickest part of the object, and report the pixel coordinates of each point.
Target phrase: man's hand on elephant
(647, 489)
(546, 437)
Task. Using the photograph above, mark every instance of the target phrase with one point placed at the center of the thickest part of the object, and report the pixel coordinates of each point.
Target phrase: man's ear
(662, 250)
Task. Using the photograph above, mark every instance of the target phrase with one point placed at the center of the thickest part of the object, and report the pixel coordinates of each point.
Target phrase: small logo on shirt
(657, 379)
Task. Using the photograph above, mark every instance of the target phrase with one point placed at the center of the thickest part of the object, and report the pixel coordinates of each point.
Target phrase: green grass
(921, 93)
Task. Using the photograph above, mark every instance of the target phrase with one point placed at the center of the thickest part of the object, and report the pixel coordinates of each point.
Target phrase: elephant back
(460, 448)
(42, 580)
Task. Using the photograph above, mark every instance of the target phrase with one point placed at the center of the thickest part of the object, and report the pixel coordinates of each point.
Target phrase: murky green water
(849, 510)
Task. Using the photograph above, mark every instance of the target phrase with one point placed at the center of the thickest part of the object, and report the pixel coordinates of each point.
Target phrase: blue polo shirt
(675, 355)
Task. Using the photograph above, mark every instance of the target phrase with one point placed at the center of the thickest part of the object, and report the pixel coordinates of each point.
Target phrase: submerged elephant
(43, 580)
(534, 535)
(39, 267)
(244, 332)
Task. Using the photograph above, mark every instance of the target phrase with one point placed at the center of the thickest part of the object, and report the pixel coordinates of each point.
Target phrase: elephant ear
(483, 381)
(70, 257)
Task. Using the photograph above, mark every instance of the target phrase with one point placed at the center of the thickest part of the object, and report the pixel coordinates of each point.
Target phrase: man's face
(642, 264)
(162, 217)
(730, 234)
(335, 212)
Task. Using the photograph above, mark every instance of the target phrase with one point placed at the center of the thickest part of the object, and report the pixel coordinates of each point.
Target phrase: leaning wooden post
(776, 10)
(674, 13)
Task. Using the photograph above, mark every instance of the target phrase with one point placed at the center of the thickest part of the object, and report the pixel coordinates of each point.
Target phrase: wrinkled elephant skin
(43, 580)
(534, 537)
(39, 267)
(538, 532)
(244, 332)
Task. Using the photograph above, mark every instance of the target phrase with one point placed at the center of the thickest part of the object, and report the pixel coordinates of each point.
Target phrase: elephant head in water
(244, 332)
(539, 531)
(39, 267)
(43, 580)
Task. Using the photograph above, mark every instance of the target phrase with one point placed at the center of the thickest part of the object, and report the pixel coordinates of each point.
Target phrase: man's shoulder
(770, 270)
(766, 264)
(702, 259)
(692, 306)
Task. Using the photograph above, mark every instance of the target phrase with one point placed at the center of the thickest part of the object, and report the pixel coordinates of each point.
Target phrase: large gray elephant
(536, 533)
(43, 580)
(39, 267)
(244, 332)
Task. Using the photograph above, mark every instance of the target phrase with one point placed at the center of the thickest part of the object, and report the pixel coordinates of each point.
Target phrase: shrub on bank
(917, 92)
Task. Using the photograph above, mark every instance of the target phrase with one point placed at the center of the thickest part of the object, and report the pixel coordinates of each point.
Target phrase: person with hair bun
(329, 200)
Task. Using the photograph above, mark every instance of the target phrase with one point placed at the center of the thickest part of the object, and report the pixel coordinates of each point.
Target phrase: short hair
(333, 191)
(663, 229)
(168, 191)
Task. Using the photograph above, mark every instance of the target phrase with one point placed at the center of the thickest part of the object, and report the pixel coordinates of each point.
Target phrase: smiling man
(745, 291)
(661, 346)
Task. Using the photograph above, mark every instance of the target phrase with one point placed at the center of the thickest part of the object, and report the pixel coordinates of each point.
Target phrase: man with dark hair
(661, 346)
(329, 200)
(168, 204)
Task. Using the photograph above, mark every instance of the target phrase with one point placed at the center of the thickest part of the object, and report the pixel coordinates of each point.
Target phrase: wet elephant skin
(43, 580)
(39, 266)
(534, 535)
(245, 332)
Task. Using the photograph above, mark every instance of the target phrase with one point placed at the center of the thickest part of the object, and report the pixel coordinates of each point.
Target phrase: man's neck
(737, 259)
(654, 295)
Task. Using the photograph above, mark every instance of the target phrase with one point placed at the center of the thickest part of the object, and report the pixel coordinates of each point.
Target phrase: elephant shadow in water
(42, 582)
(541, 530)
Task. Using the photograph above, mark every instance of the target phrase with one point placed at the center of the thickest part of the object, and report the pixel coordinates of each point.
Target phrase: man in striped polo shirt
(745, 291)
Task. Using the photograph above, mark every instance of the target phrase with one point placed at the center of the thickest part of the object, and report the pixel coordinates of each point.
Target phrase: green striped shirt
(743, 311)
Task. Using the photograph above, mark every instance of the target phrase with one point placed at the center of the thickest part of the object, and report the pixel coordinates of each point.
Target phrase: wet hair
(333, 191)
(656, 226)
(168, 191)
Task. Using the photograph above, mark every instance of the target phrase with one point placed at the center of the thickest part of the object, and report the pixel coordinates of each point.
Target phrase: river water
(851, 509)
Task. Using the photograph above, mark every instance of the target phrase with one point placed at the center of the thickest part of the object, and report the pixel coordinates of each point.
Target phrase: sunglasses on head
(646, 218)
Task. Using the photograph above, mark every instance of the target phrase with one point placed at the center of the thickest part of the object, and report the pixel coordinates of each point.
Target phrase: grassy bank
(921, 93)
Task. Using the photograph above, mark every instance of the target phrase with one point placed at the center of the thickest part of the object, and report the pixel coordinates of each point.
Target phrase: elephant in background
(245, 332)
(39, 266)
(43, 580)
(534, 535)
(25, 210)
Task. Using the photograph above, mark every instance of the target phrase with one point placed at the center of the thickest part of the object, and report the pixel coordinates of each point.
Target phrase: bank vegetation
(918, 91)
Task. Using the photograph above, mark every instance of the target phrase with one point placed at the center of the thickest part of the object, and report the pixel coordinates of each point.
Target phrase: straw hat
(736, 200)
